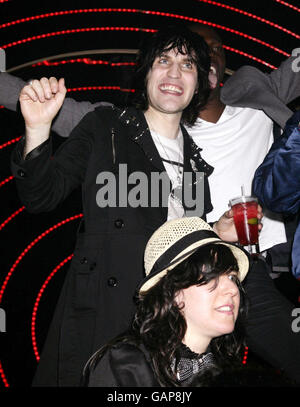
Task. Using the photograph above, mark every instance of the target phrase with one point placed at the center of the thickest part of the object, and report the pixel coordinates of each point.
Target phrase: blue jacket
(277, 180)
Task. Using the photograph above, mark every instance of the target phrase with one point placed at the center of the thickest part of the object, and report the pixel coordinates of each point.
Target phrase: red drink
(245, 219)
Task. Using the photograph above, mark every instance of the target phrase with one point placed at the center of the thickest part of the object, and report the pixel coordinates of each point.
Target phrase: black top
(128, 364)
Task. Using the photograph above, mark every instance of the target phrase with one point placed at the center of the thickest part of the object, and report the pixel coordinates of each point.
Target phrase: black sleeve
(44, 180)
(122, 365)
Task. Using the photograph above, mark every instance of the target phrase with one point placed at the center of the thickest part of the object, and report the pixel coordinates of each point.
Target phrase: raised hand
(41, 100)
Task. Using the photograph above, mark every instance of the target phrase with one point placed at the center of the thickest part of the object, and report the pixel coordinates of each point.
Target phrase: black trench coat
(96, 302)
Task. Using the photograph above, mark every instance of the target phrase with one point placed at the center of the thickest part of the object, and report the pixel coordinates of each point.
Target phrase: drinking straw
(246, 222)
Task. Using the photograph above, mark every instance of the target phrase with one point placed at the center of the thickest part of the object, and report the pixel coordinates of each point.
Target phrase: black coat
(96, 302)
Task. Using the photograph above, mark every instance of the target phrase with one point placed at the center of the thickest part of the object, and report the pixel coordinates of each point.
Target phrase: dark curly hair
(160, 326)
(185, 42)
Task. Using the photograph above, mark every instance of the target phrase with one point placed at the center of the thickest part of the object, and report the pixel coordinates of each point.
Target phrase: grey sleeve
(69, 115)
(249, 87)
(10, 88)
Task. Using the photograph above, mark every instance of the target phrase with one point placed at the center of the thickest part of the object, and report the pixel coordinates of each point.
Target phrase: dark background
(24, 274)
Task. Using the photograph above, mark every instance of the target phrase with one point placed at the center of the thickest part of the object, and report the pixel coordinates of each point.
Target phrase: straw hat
(178, 239)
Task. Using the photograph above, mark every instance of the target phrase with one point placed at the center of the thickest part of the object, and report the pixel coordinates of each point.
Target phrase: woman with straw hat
(189, 317)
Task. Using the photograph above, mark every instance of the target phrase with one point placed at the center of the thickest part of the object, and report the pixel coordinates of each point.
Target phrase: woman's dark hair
(185, 42)
(160, 326)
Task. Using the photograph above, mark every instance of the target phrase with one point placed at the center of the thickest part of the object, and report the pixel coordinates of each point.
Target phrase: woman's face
(209, 312)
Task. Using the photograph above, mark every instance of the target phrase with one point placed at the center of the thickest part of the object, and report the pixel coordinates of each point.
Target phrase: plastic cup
(245, 220)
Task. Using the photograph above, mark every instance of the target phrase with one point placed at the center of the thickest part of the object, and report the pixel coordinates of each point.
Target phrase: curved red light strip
(29, 247)
(6, 180)
(158, 13)
(84, 88)
(72, 31)
(36, 305)
(237, 51)
(8, 143)
(6, 384)
(13, 215)
(263, 20)
(3, 377)
(87, 61)
(246, 351)
(284, 3)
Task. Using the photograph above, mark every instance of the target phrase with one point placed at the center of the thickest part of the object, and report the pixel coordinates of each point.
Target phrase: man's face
(171, 82)
(217, 55)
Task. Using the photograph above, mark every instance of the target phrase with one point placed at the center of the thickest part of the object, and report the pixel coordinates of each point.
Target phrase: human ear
(179, 299)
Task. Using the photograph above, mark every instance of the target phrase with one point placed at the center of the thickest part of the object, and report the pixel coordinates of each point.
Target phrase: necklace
(176, 166)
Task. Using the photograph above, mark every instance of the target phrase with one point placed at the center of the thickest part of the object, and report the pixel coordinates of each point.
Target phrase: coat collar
(139, 132)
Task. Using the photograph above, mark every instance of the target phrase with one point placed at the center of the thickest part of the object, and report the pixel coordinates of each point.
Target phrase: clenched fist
(41, 100)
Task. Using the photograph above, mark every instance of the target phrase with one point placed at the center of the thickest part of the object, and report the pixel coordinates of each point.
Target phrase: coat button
(93, 266)
(83, 260)
(119, 223)
(112, 282)
(21, 173)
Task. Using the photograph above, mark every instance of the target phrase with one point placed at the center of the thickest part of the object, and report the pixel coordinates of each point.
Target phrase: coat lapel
(139, 132)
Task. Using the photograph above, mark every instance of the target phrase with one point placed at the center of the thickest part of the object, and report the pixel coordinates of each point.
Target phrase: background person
(277, 183)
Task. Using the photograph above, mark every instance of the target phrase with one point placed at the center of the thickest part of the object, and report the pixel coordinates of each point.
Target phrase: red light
(6, 180)
(87, 61)
(29, 247)
(8, 143)
(163, 14)
(85, 88)
(72, 31)
(263, 20)
(3, 376)
(249, 56)
(37, 302)
(12, 269)
(11, 217)
(284, 3)
(245, 355)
